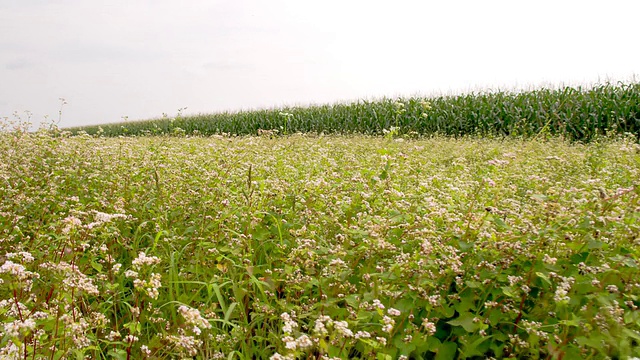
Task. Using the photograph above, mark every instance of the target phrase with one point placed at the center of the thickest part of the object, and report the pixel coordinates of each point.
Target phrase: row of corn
(576, 113)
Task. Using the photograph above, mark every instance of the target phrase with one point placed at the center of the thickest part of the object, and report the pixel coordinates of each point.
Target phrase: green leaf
(405, 305)
(575, 321)
(96, 266)
(539, 197)
(632, 334)
(544, 277)
(447, 351)
(593, 340)
(372, 343)
(585, 224)
(405, 348)
(473, 284)
(466, 321)
(433, 343)
(572, 352)
(465, 246)
(352, 300)
(495, 316)
(79, 354)
(508, 290)
(500, 224)
(448, 311)
(229, 311)
(594, 244)
(632, 317)
(118, 354)
(466, 302)
(625, 260)
(471, 348)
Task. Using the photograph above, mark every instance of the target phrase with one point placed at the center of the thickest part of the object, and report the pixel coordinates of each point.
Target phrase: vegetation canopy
(577, 114)
(323, 247)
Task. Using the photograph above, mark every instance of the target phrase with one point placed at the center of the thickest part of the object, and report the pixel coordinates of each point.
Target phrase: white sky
(142, 58)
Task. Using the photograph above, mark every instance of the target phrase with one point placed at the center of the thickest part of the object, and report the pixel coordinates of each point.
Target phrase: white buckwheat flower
(277, 356)
(342, 328)
(388, 324)
(429, 326)
(289, 323)
(304, 342)
(320, 328)
(193, 317)
(563, 289)
(145, 350)
(23, 255)
(549, 260)
(378, 304)
(143, 259)
(393, 312)
(16, 327)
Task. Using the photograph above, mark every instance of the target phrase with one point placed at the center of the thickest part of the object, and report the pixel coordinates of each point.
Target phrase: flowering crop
(318, 247)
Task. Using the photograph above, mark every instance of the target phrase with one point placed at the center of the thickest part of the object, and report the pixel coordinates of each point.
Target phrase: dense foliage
(318, 247)
(574, 113)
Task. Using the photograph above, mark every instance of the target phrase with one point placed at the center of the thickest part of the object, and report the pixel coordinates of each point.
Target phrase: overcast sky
(139, 59)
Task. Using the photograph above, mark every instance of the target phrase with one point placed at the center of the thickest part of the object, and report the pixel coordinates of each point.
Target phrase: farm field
(574, 113)
(318, 247)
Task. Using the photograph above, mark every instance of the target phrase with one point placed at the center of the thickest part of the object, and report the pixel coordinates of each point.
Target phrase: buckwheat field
(318, 247)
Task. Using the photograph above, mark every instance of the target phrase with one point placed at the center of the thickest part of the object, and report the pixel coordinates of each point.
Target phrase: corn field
(575, 113)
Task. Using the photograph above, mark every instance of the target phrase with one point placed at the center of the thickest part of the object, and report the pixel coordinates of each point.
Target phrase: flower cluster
(335, 246)
(194, 318)
(152, 283)
(562, 291)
